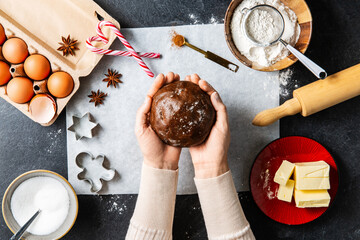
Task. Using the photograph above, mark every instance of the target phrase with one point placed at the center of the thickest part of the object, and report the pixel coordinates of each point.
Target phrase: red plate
(263, 188)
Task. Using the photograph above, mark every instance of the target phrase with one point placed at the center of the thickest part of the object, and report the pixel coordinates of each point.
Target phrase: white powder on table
(264, 27)
(43, 193)
(287, 83)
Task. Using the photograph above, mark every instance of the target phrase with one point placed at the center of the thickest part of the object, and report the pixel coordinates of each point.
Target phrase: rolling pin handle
(267, 117)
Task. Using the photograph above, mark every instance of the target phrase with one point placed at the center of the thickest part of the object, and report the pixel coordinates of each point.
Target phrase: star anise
(97, 97)
(112, 78)
(68, 46)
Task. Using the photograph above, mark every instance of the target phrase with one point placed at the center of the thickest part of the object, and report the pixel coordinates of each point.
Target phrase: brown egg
(5, 75)
(15, 50)
(37, 67)
(60, 84)
(2, 35)
(20, 89)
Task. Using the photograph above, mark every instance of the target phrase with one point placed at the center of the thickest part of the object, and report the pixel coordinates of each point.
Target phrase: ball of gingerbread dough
(182, 114)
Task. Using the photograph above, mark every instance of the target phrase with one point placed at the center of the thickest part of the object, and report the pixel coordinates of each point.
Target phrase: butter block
(312, 175)
(285, 192)
(284, 172)
(311, 198)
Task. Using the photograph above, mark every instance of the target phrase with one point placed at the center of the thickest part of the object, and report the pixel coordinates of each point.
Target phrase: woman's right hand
(156, 153)
(210, 157)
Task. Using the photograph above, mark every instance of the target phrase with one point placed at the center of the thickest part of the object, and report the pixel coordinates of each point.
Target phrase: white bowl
(69, 221)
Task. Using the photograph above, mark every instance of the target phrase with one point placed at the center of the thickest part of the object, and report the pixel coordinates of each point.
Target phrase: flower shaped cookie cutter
(93, 170)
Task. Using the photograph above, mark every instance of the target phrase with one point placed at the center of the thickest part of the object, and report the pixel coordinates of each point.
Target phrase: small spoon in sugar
(18, 234)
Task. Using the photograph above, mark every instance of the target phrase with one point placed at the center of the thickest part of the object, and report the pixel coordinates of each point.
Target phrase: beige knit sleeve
(154, 210)
(223, 215)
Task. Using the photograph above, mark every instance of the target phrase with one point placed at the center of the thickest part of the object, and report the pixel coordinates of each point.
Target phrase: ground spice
(177, 39)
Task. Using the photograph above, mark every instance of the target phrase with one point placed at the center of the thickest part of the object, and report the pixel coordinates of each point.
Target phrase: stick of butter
(312, 175)
(285, 192)
(284, 172)
(311, 198)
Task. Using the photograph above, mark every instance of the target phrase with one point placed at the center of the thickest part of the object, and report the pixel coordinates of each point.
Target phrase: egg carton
(41, 24)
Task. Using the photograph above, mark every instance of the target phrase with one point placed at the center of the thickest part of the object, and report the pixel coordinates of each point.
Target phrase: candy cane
(115, 52)
(131, 52)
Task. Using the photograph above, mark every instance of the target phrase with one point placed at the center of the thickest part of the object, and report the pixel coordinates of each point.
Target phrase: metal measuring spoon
(18, 234)
(209, 55)
(313, 67)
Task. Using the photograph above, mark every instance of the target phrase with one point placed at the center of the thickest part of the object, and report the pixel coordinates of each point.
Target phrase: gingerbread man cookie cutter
(93, 170)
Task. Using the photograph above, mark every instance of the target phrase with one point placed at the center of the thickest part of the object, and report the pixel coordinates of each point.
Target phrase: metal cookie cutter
(82, 126)
(93, 170)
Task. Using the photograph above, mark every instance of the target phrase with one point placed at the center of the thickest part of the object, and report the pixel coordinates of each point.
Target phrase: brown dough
(182, 114)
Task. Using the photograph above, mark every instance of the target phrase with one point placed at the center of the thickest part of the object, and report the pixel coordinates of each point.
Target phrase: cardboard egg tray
(41, 24)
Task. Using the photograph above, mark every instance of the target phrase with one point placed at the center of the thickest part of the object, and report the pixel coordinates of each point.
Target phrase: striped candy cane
(115, 52)
(131, 52)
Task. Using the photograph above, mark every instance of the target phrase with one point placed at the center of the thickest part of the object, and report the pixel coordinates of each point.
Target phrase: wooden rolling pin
(315, 96)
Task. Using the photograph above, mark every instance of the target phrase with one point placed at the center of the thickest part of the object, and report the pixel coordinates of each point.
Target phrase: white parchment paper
(245, 93)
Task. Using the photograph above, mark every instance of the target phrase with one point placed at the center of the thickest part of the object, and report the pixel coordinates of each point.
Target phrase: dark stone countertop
(335, 44)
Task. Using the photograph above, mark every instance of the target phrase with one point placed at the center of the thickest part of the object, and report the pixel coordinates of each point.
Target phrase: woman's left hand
(156, 153)
(210, 157)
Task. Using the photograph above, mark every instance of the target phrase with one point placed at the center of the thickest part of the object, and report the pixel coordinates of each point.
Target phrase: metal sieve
(277, 16)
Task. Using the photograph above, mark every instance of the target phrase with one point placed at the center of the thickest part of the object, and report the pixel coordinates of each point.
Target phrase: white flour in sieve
(265, 28)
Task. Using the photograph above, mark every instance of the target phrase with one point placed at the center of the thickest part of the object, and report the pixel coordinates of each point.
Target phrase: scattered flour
(54, 139)
(270, 194)
(194, 19)
(114, 205)
(284, 77)
(286, 83)
(266, 177)
(213, 20)
(196, 208)
(265, 56)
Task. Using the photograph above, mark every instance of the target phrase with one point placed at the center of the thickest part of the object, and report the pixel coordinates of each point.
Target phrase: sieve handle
(245, 10)
(313, 67)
